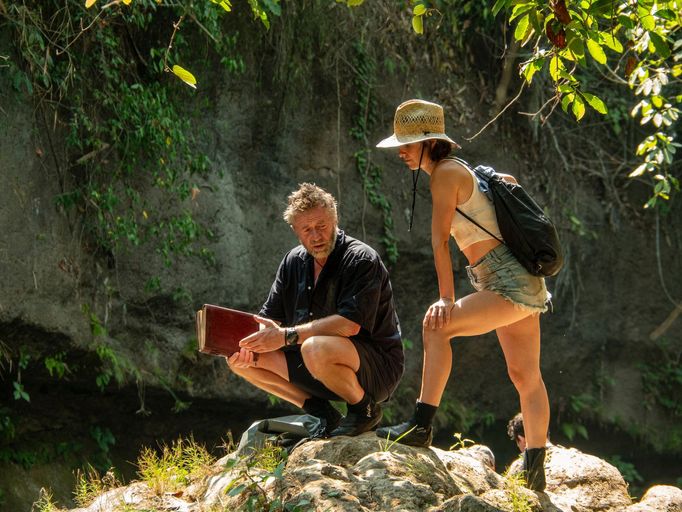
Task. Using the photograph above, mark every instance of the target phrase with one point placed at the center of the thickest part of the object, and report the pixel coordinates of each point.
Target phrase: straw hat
(417, 120)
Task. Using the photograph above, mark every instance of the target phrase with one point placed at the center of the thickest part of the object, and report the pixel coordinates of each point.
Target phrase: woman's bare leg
(475, 314)
(520, 343)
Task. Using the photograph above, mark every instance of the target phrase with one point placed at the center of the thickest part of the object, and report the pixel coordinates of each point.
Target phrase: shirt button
(308, 287)
(311, 314)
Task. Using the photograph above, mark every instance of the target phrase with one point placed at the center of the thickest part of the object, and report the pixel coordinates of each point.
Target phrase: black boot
(361, 417)
(408, 433)
(534, 468)
(329, 416)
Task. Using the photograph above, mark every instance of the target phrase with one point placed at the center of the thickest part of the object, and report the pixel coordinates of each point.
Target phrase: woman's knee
(525, 379)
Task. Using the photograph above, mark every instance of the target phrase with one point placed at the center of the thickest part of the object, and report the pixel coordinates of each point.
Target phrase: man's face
(316, 230)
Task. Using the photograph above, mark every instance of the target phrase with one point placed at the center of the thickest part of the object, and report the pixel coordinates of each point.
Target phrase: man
(329, 326)
(516, 433)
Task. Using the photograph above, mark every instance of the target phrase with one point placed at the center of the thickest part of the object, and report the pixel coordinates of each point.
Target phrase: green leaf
(611, 41)
(578, 108)
(185, 76)
(577, 48)
(596, 103)
(626, 21)
(596, 51)
(499, 5)
(522, 28)
(660, 44)
(418, 24)
(556, 66)
(566, 101)
(273, 6)
(520, 10)
(646, 19)
(666, 14)
(419, 9)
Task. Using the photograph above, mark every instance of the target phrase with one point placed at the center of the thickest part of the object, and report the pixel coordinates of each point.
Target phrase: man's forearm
(334, 325)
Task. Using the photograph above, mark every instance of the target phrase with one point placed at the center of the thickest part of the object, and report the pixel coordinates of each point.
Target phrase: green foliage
(363, 122)
(460, 442)
(662, 378)
(176, 466)
(518, 495)
(132, 152)
(252, 472)
(636, 43)
(580, 406)
(89, 485)
(627, 469)
(45, 502)
(104, 440)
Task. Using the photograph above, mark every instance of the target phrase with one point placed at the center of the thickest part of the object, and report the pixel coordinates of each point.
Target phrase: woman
(508, 299)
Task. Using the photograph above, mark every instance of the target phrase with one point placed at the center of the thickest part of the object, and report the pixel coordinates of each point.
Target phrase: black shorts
(378, 374)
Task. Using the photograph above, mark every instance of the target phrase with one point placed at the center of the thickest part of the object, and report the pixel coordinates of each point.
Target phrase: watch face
(291, 336)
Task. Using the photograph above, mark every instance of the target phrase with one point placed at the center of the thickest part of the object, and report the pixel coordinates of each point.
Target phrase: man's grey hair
(307, 197)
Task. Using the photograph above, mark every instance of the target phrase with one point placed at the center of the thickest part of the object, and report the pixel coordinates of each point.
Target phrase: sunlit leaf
(596, 103)
(89, 3)
(522, 28)
(185, 76)
(419, 9)
(611, 41)
(418, 24)
(596, 51)
(499, 5)
(127, 2)
(556, 66)
(578, 108)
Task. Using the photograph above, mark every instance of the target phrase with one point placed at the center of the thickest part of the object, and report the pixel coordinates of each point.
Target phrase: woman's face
(410, 153)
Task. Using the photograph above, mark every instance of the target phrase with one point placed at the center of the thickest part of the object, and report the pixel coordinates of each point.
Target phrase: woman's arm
(446, 180)
(445, 183)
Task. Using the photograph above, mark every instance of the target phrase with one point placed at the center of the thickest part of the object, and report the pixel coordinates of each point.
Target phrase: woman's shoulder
(451, 169)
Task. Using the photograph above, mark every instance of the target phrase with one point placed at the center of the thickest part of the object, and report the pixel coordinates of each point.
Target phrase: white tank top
(479, 208)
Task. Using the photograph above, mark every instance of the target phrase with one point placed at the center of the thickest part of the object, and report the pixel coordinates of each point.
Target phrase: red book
(219, 330)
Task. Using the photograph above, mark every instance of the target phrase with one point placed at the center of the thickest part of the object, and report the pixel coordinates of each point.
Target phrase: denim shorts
(500, 272)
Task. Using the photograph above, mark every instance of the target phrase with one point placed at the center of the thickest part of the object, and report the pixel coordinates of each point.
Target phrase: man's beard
(324, 253)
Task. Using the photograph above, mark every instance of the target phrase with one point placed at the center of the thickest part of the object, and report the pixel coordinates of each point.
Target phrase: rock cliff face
(364, 474)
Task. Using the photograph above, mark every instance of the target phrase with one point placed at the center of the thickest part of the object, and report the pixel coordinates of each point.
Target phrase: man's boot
(360, 418)
(534, 468)
(329, 416)
(408, 433)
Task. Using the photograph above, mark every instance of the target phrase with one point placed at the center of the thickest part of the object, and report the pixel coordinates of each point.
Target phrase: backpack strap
(483, 174)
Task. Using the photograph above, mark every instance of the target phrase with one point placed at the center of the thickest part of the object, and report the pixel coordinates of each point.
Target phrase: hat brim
(394, 141)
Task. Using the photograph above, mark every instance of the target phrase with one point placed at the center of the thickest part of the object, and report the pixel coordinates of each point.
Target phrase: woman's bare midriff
(479, 249)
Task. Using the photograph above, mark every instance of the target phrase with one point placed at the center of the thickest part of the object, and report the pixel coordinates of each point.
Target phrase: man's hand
(268, 339)
(438, 314)
(242, 359)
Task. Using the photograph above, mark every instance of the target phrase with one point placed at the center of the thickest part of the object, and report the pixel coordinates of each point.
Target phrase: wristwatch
(290, 336)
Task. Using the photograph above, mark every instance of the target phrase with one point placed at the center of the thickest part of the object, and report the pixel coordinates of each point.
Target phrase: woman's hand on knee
(438, 314)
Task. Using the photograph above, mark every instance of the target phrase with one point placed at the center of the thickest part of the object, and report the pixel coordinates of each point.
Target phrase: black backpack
(525, 229)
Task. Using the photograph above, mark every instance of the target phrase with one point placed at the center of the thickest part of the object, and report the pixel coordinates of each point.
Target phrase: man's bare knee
(315, 357)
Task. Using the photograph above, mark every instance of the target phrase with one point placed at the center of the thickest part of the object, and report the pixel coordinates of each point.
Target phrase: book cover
(219, 329)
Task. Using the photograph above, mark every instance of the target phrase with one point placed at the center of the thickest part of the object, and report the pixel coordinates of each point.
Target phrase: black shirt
(353, 283)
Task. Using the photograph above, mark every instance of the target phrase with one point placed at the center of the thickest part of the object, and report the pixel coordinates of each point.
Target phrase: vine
(363, 123)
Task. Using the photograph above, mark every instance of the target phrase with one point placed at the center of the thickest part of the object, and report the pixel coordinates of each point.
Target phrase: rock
(365, 473)
(659, 498)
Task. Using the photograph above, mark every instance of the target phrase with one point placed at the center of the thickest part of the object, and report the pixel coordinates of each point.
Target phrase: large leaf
(660, 44)
(556, 66)
(611, 41)
(499, 5)
(596, 51)
(89, 3)
(596, 103)
(418, 24)
(419, 9)
(578, 107)
(185, 76)
(522, 28)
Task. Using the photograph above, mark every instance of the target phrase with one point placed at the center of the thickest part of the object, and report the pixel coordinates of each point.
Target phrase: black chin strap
(415, 179)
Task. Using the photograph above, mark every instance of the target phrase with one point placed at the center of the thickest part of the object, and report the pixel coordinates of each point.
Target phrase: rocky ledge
(367, 474)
